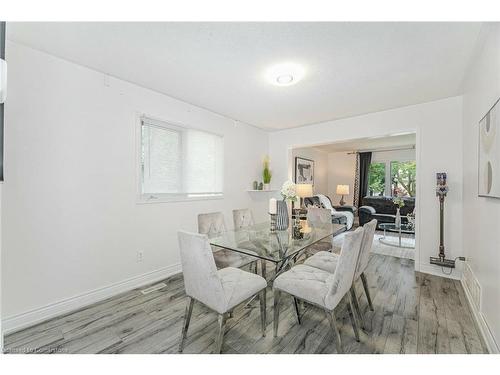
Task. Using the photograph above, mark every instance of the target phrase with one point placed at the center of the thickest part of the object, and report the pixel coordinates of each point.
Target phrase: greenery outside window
(376, 179)
(387, 178)
(403, 178)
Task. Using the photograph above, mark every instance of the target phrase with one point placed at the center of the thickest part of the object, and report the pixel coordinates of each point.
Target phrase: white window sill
(151, 199)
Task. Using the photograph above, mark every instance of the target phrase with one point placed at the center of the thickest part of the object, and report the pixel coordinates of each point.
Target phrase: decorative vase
(282, 216)
(255, 185)
(267, 186)
(398, 218)
(261, 186)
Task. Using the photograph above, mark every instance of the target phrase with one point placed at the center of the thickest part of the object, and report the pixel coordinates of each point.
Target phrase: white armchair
(323, 289)
(219, 290)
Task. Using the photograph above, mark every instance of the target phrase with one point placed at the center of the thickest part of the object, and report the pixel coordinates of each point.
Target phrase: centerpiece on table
(289, 194)
(399, 202)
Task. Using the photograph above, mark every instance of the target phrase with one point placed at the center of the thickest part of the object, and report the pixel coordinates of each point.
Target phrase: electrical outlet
(140, 256)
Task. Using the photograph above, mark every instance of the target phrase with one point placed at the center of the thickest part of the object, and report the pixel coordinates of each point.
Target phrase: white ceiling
(379, 143)
(351, 68)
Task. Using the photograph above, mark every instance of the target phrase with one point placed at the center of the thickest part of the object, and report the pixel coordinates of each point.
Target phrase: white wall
(439, 149)
(320, 167)
(71, 224)
(481, 218)
(341, 171)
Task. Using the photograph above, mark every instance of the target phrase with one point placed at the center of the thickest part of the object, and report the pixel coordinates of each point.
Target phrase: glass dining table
(278, 247)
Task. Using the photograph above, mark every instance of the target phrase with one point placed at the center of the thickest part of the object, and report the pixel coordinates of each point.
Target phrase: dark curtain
(365, 159)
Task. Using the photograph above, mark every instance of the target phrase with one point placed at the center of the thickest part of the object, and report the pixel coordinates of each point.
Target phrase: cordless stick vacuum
(441, 191)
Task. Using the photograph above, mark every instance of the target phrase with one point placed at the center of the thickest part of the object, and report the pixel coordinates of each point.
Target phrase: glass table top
(258, 241)
(391, 227)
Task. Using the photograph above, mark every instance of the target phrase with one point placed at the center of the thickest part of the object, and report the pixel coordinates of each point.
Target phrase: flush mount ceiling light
(285, 74)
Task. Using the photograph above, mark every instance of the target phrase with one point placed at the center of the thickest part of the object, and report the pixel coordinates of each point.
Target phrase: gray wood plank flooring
(414, 313)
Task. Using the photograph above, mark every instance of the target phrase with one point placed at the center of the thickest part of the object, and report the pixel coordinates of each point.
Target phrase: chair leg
(355, 302)
(367, 292)
(187, 319)
(220, 334)
(276, 312)
(297, 310)
(354, 320)
(262, 298)
(333, 325)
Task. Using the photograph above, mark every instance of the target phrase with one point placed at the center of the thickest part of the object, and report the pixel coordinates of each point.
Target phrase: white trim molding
(17, 322)
(438, 271)
(481, 323)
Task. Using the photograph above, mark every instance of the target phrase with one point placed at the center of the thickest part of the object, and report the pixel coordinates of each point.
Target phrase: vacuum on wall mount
(441, 191)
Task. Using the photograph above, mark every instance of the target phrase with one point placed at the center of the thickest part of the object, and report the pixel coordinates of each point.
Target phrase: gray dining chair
(219, 290)
(242, 218)
(317, 217)
(327, 261)
(321, 288)
(213, 225)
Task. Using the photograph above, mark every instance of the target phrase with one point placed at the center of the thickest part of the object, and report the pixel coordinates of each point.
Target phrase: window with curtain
(391, 177)
(179, 163)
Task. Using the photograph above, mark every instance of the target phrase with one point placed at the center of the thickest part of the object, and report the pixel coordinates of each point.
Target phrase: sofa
(383, 209)
(338, 217)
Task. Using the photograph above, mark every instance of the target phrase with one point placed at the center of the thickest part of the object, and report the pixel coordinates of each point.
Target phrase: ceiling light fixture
(285, 74)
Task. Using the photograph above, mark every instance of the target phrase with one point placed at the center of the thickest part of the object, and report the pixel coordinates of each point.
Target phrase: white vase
(398, 218)
(267, 186)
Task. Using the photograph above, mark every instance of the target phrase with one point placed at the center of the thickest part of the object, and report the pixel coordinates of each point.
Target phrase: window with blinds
(179, 163)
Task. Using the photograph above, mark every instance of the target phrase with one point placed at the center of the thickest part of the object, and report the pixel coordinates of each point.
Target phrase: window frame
(388, 180)
(148, 198)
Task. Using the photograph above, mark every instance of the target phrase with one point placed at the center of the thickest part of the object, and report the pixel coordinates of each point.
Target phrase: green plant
(398, 201)
(266, 173)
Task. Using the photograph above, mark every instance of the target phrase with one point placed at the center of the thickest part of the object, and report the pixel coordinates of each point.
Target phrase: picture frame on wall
(304, 171)
(489, 153)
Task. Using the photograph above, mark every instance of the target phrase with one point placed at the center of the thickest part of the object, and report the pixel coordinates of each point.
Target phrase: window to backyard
(392, 177)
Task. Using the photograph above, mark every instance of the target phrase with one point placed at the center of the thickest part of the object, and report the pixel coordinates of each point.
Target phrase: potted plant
(266, 174)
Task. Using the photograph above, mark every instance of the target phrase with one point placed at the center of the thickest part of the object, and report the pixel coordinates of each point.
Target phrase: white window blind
(179, 163)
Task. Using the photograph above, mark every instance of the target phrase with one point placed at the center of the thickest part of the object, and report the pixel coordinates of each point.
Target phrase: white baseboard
(19, 321)
(437, 271)
(481, 323)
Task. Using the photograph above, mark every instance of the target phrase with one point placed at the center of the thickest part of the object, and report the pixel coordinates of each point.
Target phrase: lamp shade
(343, 189)
(304, 190)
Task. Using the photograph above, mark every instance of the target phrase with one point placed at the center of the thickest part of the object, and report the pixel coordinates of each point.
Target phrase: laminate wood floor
(414, 313)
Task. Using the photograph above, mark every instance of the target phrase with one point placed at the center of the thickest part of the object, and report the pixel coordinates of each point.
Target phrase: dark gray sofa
(383, 209)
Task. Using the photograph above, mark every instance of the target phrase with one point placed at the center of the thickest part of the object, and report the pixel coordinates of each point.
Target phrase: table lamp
(342, 190)
(303, 191)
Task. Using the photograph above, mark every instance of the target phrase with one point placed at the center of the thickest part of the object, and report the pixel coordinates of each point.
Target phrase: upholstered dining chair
(327, 261)
(321, 288)
(319, 216)
(213, 225)
(242, 218)
(219, 290)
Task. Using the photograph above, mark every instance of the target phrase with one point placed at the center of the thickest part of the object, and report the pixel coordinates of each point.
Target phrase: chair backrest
(201, 280)
(242, 218)
(318, 216)
(211, 224)
(340, 282)
(366, 247)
